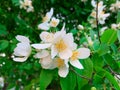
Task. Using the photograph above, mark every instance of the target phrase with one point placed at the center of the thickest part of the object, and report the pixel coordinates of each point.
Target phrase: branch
(84, 77)
(97, 22)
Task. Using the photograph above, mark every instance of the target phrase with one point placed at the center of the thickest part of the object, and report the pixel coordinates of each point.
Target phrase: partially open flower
(23, 49)
(54, 22)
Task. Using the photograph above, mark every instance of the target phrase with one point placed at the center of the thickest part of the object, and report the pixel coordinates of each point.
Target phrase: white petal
(47, 37)
(93, 3)
(20, 59)
(63, 71)
(65, 54)
(49, 14)
(22, 49)
(22, 39)
(76, 64)
(47, 63)
(74, 46)
(84, 53)
(41, 46)
(44, 26)
(41, 54)
(53, 52)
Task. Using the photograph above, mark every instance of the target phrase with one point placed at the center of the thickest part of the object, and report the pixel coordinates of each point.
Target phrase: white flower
(48, 15)
(23, 49)
(62, 45)
(1, 82)
(114, 26)
(80, 53)
(46, 23)
(116, 6)
(101, 14)
(47, 37)
(27, 5)
(80, 27)
(54, 22)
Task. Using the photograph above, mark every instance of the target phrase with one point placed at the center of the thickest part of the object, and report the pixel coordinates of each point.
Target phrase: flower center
(45, 19)
(75, 55)
(54, 23)
(60, 45)
(60, 62)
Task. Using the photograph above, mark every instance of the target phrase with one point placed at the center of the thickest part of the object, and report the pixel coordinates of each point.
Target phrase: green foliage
(68, 83)
(100, 69)
(109, 36)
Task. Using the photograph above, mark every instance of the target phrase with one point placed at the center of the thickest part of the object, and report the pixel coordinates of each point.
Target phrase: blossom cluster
(101, 15)
(27, 5)
(56, 49)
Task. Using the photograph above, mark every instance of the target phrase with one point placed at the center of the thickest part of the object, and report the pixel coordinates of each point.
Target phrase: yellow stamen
(60, 45)
(60, 62)
(45, 19)
(54, 23)
(75, 55)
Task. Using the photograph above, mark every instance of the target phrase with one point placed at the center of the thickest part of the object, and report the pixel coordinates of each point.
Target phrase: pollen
(60, 62)
(45, 19)
(54, 23)
(60, 45)
(75, 55)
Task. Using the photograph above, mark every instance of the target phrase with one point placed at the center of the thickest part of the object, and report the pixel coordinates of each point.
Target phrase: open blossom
(115, 6)
(101, 14)
(23, 49)
(54, 22)
(48, 63)
(62, 44)
(27, 5)
(77, 54)
(47, 22)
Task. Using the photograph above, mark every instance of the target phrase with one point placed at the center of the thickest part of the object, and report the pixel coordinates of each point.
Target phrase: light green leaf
(109, 36)
(118, 35)
(87, 72)
(46, 76)
(68, 83)
(16, 2)
(118, 17)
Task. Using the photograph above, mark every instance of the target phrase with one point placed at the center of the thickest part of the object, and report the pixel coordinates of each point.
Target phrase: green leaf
(109, 36)
(118, 35)
(3, 30)
(74, 31)
(118, 17)
(68, 83)
(46, 77)
(110, 78)
(87, 72)
(110, 61)
(103, 49)
(3, 44)
(16, 2)
(97, 61)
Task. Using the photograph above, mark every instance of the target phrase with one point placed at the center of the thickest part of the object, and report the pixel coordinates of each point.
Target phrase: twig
(97, 22)
(84, 77)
